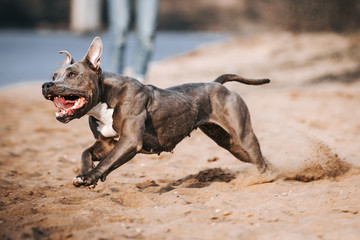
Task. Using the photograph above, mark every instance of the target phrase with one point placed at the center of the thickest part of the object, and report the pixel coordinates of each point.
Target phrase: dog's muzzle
(46, 86)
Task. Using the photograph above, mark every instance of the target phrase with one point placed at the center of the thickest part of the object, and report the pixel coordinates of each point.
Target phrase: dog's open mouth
(67, 105)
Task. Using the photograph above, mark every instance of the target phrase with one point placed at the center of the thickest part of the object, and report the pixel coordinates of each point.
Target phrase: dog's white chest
(103, 114)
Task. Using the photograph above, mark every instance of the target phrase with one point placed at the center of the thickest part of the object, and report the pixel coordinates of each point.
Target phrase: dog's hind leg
(247, 150)
(230, 127)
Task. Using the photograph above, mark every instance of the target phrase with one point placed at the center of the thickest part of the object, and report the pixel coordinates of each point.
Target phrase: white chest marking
(103, 114)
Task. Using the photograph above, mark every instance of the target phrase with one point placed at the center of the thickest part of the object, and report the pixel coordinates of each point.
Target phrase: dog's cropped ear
(68, 59)
(94, 52)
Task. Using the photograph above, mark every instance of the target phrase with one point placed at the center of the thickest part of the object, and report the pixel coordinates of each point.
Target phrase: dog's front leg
(97, 152)
(128, 145)
(124, 150)
(86, 162)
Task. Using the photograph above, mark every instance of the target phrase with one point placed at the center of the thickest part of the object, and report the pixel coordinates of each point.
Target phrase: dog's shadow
(202, 179)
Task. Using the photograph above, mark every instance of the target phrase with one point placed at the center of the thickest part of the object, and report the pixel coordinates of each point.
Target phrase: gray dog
(127, 117)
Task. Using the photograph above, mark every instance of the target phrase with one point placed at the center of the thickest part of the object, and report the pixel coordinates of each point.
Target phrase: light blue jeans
(146, 16)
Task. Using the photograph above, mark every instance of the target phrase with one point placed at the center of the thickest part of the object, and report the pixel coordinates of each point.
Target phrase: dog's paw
(77, 181)
(89, 180)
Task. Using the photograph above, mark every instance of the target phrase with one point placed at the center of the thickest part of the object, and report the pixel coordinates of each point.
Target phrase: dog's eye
(71, 75)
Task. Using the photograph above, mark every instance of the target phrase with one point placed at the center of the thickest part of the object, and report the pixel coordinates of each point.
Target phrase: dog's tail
(235, 78)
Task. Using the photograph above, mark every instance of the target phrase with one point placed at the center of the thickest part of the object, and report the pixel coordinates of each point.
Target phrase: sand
(306, 119)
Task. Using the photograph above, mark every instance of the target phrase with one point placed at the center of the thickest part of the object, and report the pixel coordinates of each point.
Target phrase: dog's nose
(47, 85)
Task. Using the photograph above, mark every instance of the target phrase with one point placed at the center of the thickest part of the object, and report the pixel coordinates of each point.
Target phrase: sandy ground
(307, 122)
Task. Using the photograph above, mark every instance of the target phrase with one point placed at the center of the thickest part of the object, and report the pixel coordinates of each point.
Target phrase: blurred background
(189, 15)
(32, 31)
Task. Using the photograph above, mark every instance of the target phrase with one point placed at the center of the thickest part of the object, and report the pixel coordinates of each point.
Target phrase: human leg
(147, 12)
(119, 17)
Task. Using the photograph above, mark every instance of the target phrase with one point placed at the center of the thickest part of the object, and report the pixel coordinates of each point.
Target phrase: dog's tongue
(61, 103)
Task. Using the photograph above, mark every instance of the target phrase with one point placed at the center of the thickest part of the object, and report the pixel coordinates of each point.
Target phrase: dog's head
(75, 86)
